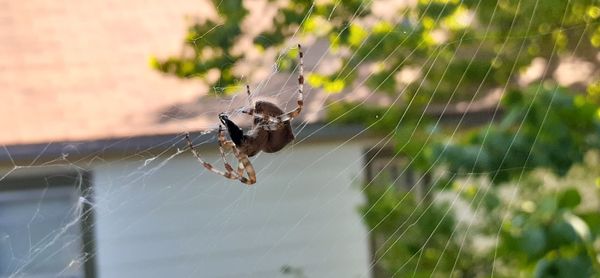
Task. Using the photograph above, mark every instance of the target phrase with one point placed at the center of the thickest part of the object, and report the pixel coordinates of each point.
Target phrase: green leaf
(579, 266)
(561, 233)
(569, 198)
(592, 219)
(533, 242)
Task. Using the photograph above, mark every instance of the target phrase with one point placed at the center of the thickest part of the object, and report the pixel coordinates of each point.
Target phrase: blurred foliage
(443, 52)
(457, 45)
(546, 230)
(211, 44)
(416, 238)
(545, 235)
(543, 126)
(537, 226)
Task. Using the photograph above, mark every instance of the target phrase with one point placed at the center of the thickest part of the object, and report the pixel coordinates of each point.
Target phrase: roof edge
(40, 153)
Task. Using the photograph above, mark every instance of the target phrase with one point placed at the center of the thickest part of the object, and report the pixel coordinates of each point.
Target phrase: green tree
(461, 45)
(544, 126)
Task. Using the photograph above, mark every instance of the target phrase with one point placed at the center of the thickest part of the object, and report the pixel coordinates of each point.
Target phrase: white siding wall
(178, 220)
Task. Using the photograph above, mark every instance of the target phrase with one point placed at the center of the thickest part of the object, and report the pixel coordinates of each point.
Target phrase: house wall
(175, 219)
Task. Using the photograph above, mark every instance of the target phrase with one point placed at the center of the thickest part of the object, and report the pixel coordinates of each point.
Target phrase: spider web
(283, 225)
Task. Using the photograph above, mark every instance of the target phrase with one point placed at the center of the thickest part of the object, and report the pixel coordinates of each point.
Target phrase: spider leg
(224, 144)
(208, 166)
(240, 169)
(243, 160)
(249, 95)
(243, 163)
(300, 99)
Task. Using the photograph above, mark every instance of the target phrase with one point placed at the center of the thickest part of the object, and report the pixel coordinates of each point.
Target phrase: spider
(271, 131)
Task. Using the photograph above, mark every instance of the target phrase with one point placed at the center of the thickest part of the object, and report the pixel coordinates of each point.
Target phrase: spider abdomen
(279, 138)
(276, 138)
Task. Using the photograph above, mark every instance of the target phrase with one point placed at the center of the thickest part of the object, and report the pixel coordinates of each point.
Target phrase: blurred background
(438, 138)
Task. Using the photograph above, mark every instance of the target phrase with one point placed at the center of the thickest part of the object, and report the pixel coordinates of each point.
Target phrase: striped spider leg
(300, 98)
(243, 161)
